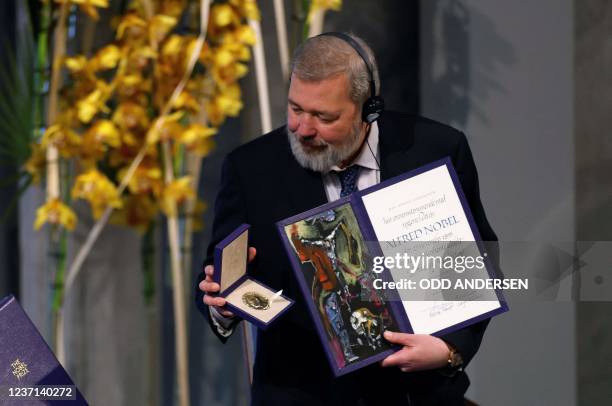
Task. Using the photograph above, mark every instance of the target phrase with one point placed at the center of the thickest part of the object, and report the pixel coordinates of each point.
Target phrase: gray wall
(503, 72)
(593, 62)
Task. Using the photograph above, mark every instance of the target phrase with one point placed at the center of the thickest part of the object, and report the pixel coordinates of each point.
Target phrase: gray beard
(323, 161)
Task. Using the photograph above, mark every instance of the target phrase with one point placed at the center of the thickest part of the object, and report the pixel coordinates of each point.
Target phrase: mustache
(308, 140)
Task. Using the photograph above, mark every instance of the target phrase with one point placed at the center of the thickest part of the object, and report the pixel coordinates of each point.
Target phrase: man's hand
(211, 288)
(420, 352)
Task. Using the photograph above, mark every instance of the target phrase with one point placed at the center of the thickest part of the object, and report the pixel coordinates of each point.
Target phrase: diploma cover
(331, 250)
(26, 361)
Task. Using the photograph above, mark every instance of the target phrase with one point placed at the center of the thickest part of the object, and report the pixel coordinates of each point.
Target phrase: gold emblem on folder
(20, 369)
(256, 301)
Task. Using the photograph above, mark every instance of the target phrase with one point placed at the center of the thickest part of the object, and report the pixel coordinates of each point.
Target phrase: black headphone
(374, 105)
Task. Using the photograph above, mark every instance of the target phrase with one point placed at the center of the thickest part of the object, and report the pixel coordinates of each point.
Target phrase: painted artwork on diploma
(336, 268)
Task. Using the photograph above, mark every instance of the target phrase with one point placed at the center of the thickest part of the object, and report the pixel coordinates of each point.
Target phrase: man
(298, 167)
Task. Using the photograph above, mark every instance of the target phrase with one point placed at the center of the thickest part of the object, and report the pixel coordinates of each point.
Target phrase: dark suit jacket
(261, 184)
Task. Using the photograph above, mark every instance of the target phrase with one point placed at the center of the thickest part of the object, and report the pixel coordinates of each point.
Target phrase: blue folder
(26, 361)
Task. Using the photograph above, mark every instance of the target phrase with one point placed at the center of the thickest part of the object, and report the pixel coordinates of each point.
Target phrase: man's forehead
(336, 78)
(318, 110)
(332, 90)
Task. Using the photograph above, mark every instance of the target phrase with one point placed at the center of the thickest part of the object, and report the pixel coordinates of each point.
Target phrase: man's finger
(214, 301)
(209, 270)
(252, 253)
(399, 338)
(209, 287)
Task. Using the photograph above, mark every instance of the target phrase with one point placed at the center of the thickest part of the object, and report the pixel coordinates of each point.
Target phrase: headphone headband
(355, 45)
(374, 105)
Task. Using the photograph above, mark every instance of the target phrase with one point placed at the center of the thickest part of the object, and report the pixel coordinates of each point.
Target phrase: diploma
(422, 214)
(342, 252)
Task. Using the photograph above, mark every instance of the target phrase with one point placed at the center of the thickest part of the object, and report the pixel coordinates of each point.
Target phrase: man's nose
(306, 127)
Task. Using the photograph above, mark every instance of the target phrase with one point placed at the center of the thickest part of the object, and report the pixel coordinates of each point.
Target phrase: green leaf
(17, 96)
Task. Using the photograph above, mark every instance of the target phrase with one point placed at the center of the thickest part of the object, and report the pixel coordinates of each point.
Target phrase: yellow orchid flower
(214, 113)
(206, 54)
(171, 62)
(197, 139)
(101, 134)
(138, 211)
(318, 5)
(173, 46)
(130, 116)
(230, 106)
(223, 57)
(227, 103)
(36, 163)
(132, 27)
(228, 75)
(140, 57)
(172, 8)
(76, 64)
(55, 212)
(147, 178)
(88, 107)
(247, 8)
(159, 26)
(245, 34)
(94, 102)
(202, 86)
(88, 6)
(125, 154)
(131, 85)
(130, 139)
(186, 101)
(231, 49)
(165, 128)
(175, 193)
(98, 190)
(222, 15)
(67, 141)
(106, 58)
(242, 52)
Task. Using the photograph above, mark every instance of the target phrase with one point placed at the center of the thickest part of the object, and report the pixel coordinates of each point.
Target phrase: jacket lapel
(396, 136)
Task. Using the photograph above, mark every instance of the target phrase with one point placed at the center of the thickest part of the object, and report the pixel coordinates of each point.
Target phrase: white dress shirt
(369, 174)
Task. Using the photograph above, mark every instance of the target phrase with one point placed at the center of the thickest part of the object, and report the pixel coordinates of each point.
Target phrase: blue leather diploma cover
(29, 372)
(335, 250)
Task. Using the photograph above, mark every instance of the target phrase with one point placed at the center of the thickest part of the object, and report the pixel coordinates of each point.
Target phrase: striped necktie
(348, 180)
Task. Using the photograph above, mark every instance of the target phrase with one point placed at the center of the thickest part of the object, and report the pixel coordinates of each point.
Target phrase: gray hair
(324, 56)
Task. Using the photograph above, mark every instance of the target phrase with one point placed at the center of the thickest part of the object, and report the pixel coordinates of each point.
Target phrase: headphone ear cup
(372, 109)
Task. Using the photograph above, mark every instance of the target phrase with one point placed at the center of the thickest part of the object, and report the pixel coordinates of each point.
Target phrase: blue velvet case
(231, 258)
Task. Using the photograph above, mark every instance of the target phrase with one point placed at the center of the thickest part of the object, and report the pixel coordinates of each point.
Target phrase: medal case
(245, 296)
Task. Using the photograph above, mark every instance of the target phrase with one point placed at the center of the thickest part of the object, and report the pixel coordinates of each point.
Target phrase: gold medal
(256, 301)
